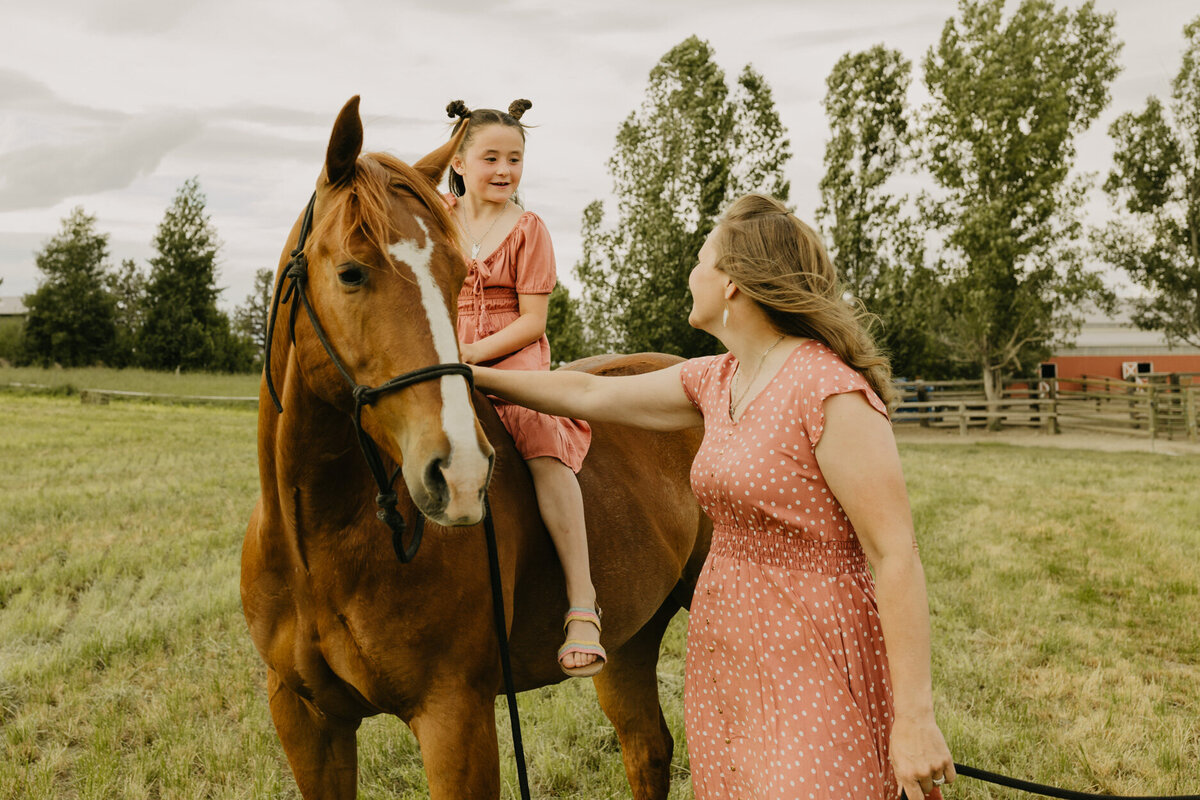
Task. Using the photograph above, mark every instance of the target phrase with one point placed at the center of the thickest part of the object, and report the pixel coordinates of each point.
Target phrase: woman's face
(708, 286)
(491, 164)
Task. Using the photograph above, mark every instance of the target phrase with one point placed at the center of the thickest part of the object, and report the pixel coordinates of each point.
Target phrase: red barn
(1112, 347)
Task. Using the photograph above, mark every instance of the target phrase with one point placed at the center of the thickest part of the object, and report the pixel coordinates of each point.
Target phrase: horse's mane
(366, 207)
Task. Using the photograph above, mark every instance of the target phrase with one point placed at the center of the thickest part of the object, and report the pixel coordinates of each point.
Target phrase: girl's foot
(581, 651)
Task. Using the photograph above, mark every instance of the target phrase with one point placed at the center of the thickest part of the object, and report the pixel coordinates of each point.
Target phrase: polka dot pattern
(787, 694)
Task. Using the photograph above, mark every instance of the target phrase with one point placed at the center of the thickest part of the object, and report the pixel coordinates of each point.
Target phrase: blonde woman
(806, 676)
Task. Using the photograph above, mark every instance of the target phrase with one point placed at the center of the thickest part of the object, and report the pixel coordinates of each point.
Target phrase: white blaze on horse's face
(466, 468)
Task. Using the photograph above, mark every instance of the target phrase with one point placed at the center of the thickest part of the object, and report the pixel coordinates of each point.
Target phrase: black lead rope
(502, 636)
(1052, 791)
(296, 271)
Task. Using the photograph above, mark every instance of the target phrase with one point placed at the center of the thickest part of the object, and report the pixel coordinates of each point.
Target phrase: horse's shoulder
(617, 364)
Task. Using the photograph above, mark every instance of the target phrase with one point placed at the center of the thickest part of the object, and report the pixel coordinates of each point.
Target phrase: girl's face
(709, 287)
(491, 164)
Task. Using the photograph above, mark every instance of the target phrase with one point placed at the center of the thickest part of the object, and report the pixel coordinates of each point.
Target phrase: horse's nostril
(435, 480)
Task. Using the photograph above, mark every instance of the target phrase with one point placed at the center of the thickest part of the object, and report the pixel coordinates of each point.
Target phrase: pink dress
(787, 695)
(524, 264)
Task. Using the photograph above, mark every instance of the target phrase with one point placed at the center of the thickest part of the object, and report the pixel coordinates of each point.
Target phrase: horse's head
(382, 280)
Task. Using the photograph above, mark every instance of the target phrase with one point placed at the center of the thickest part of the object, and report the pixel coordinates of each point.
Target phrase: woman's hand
(920, 757)
(470, 353)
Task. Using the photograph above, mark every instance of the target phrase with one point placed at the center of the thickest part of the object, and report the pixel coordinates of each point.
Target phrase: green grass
(72, 381)
(1062, 584)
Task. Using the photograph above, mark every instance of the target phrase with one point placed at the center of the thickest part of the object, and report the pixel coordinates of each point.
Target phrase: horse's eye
(352, 275)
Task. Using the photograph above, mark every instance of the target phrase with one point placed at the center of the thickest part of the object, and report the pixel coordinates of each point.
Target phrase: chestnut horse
(346, 630)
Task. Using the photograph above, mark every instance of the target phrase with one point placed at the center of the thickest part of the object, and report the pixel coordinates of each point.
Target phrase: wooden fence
(1161, 407)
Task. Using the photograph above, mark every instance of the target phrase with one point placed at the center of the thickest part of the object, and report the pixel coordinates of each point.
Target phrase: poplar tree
(250, 318)
(1155, 182)
(564, 327)
(127, 286)
(690, 149)
(1010, 96)
(878, 251)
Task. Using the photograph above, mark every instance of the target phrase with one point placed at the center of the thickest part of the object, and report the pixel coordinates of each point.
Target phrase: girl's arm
(876, 502)
(653, 400)
(521, 332)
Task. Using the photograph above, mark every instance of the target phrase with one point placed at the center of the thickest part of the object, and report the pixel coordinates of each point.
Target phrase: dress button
(727, 740)
(710, 648)
(732, 768)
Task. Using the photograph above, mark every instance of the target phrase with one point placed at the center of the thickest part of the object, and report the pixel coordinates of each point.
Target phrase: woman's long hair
(781, 264)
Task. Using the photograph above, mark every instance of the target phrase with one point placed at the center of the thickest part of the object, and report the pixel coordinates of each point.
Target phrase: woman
(799, 684)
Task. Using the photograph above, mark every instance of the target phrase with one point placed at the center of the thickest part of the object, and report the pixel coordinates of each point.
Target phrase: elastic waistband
(837, 557)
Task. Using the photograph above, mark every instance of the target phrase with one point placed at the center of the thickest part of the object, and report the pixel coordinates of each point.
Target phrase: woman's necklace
(467, 227)
(737, 375)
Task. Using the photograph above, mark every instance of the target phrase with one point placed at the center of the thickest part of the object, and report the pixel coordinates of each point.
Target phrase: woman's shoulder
(702, 371)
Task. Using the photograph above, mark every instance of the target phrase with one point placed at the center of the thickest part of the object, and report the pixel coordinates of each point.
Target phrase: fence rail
(1167, 408)
(1156, 409)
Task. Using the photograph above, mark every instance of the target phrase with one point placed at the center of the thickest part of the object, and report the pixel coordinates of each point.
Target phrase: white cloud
(41, 175)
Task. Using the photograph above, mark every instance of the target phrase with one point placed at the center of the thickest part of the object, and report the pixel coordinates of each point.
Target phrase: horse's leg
(628, 692)
(322, 751)
(457, 734)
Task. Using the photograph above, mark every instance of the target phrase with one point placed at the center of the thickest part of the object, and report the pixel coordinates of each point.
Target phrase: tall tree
(679, 159)
(1009, 98)
(71, 315)
(1156, 180)
(564, 327)
(250, 318)
(878, 251)
(127, 286)
(183, 329)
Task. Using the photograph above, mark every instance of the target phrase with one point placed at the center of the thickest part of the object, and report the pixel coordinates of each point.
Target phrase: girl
(502, 323)
(798, 683)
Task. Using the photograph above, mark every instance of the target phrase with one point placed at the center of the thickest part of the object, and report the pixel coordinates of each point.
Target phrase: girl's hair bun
(457, 108)
(518, 107)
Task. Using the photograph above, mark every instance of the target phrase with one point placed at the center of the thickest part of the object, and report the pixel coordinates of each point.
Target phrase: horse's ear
(345, 143)
(433, 166)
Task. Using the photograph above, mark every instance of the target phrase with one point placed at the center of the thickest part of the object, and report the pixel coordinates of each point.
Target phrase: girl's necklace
(738, 401)
(467, 227)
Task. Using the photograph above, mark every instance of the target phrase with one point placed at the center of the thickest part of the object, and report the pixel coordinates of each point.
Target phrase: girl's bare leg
(561, 505)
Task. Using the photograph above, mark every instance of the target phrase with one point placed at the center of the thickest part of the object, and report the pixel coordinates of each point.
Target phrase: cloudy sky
(112, 104)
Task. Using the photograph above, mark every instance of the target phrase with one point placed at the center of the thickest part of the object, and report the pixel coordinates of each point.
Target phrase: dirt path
(1106, 442)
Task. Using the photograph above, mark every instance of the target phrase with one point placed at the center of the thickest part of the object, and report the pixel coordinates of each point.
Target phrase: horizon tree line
(978, 276)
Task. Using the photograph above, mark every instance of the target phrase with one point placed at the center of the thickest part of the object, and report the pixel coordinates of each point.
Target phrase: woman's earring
(725, 316)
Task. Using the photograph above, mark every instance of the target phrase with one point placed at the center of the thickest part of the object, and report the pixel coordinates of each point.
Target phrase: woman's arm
(876, 501)
(653, 400)
(521, 332)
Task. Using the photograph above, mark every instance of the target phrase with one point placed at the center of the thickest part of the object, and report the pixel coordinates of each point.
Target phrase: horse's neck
(319, 455)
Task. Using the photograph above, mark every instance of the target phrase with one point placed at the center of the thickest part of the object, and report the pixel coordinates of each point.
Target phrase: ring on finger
(939, 781)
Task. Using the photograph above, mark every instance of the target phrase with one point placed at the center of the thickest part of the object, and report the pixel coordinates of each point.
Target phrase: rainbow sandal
(581, 646)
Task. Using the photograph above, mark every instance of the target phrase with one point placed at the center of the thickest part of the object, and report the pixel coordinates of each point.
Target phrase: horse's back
(619, 364)
(647, 536)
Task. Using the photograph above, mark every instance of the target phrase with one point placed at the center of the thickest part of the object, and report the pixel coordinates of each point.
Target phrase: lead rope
(1051, 791)
(502, 635)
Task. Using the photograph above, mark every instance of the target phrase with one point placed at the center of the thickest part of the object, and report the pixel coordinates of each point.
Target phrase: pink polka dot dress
(787, 694)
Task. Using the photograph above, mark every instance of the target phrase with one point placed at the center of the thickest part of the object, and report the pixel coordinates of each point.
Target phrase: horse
(348, 631)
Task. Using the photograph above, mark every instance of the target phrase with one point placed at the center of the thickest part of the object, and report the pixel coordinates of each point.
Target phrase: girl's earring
(725, 316)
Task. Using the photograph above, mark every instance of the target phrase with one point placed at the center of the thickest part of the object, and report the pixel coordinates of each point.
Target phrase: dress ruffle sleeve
(533, 250)
(833, 377)
(694, 375)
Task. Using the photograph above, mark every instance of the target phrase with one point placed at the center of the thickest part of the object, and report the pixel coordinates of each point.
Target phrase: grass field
(1063, 588)
(72, 381)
